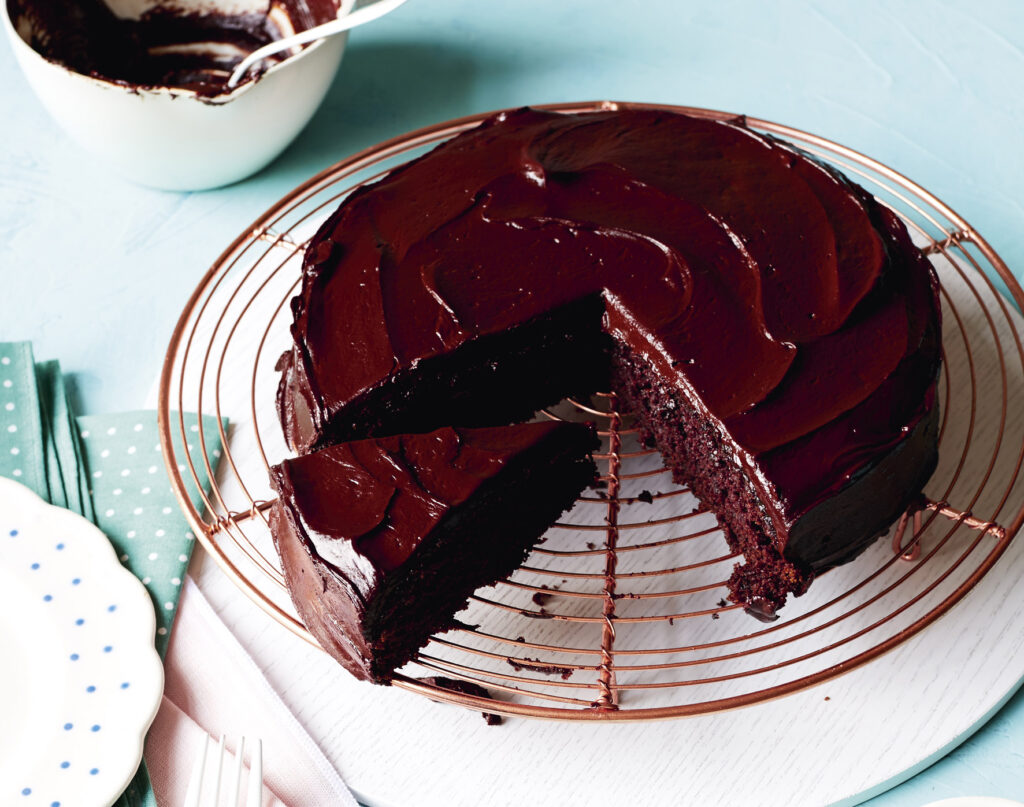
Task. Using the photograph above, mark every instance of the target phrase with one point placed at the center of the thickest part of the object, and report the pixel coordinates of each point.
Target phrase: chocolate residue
(465, 688)
(645, 496)
(165, 47)
(535, 665)
(541, 598)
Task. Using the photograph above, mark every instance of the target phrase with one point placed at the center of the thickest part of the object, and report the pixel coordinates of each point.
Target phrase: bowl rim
(345, 7)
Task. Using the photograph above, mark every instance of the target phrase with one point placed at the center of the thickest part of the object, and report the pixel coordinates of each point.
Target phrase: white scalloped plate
(80, 680)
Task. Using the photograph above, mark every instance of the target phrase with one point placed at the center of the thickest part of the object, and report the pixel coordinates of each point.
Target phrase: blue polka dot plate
(80, 681)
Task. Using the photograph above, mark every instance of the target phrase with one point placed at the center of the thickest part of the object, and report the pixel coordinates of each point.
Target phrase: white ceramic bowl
(169, 138)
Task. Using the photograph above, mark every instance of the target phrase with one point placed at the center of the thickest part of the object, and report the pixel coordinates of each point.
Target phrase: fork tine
(215, 793)
(254, 796)
(195, 783)
(236, 791)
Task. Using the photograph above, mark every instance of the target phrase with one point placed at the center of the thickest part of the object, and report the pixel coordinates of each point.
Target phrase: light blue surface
(934, 89)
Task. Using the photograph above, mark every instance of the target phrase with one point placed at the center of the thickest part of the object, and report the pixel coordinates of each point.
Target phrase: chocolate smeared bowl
(142, 85)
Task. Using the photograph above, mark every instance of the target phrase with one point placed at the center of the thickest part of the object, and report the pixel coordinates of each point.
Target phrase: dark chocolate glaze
(86, 37)
(776, 296)
(350, 519)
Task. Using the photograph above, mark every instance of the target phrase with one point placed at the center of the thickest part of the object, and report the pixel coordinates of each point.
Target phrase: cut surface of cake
(771, 324)
(383, 540)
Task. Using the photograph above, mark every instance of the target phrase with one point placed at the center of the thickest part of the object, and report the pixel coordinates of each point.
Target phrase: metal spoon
(352, 20)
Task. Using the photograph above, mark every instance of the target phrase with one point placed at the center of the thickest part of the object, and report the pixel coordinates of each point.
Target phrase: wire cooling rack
(621, 612)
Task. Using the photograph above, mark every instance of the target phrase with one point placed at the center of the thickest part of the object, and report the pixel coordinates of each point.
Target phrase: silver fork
(197, 796)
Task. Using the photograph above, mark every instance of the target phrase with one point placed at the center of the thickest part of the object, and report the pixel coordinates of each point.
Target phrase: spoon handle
(351, 20)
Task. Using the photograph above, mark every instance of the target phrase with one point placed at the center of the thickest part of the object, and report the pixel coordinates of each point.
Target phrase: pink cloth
(213, 686)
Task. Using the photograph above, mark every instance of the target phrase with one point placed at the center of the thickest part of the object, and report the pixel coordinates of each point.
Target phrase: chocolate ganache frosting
(773, 306)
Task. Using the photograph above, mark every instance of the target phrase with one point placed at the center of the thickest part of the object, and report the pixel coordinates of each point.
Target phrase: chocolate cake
(771, 324)
(383, 540)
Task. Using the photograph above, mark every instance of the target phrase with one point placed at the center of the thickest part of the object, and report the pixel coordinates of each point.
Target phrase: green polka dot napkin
(68, 486)
(108, 468)
(134, 503)
(22, 456)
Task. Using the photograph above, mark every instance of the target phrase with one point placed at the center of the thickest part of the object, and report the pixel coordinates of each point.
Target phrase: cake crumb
(465, 688)
(714, 616)
(827, 698)
(540, 598)
(645, 496)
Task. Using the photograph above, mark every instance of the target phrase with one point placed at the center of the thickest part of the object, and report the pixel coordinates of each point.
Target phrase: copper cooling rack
(622, 612)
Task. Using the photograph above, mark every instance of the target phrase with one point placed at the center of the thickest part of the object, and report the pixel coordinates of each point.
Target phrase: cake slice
(383, 540)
